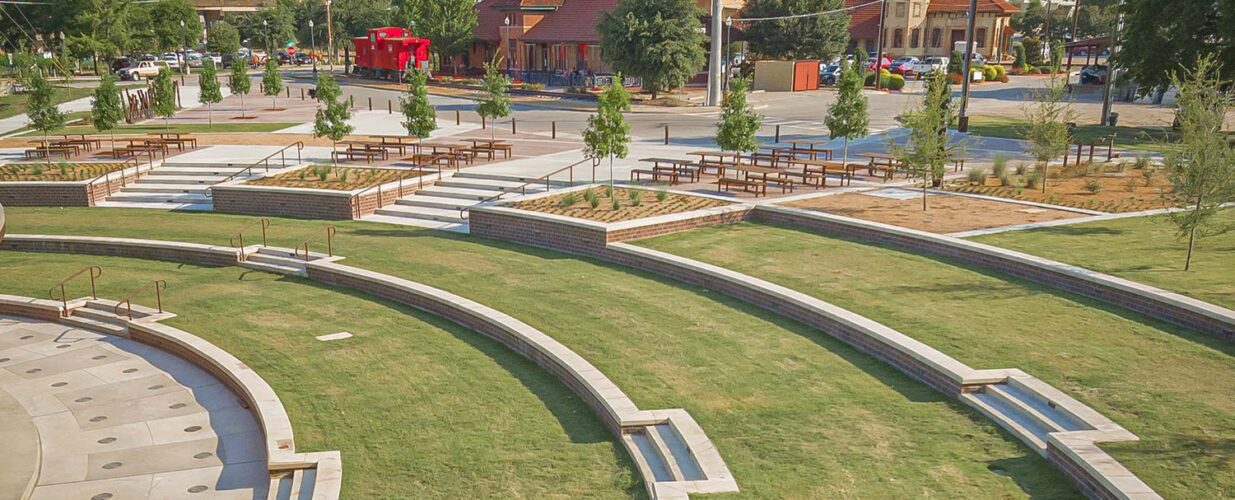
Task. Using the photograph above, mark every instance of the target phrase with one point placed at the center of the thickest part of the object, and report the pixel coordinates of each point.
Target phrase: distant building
(212, 11)
(931, 27)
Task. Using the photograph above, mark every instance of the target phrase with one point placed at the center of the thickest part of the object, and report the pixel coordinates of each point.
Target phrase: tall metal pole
(330, 36)
(883, 9)
(728, 54)
(1076, 18)
(963, 120)
(714, 62)
(313, 43)
(1048, 24)
(1111, 74)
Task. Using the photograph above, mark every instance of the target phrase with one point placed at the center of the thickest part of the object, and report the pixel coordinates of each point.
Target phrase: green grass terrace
(794, 412)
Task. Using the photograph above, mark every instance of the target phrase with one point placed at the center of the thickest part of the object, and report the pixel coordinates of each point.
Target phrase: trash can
(1113, 119)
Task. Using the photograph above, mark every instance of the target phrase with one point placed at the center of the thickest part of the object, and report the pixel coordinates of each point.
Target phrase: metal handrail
(330, 241)
(305, 245)
(265, 162)
(420, 184)
(159, 285)
(107, 176)
(95, 272)
(545, 178)
(239, 236)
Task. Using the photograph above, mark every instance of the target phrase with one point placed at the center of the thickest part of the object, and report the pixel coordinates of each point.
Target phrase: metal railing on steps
(546, 179)
(159, 286)
(265, 162)
(238, 237)
(418, 168)
(93, 272)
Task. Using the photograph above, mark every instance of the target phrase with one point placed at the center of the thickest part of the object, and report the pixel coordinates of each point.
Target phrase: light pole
(313, 43)
(728, 56)
(266, 35)
(330, 35)
(714, 82)
(962, 123)
(184, 50)
(506, 45)
(883, 8)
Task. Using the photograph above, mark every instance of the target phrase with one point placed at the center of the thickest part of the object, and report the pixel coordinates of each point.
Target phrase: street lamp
(313, 44)
(728, 56)
(266, 35)
(507, 45)
(184, 50)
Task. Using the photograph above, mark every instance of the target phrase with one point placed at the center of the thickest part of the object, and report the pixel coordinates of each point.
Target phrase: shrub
(617, 204)
(977, 176)
(1142, 162)
(662, 195)
(343, 175)
(1131, 185)
(1033, 180)
(1005, 180)
(591, 197)
(1093, 186)
(303, 172)
(989, 73)
(321, 174)
(636, 197)
(568, 200)
(1148, 174)
(1001, 73)
(895, 82)
(608, 191)
(37, 169)
(1020, 169)
(999, 165)
(884, 76)
(64, 168)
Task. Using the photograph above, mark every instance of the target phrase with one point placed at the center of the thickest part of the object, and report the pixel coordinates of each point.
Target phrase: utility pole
(714, 61)
(962, 124)
(1111, 72)
(330, 35)
(1076, 18)
(883, 9)
(1048, 24)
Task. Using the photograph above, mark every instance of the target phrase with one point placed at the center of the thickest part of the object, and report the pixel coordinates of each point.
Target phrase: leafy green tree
(1022, 59)
(849, 116)
(223, 38)
(41, 108)
(166, 17)
(421, 119)
(211, 93)
(956, 62)
(239, 83)
(272, 82)
(495, 104)
(107, 109)
(355, 17)
(738, 121)
(271, 27)
(1047, 114)
(164, 96)
(660, 41)
(928, 148)
(607, 133)
(101, 27)
(813, 37)
(1160, 36)
(332, 121)
(1202, 169)
(448, 24)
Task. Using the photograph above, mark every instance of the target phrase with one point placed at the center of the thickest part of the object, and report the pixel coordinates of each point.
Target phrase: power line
(812, 14)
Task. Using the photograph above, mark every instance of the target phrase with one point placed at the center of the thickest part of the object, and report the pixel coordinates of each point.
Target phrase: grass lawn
(156, 126)
(1136, 138)
(419, 407)
(1168, 385)
(1143, 249)
(794, 413)
(15, 104)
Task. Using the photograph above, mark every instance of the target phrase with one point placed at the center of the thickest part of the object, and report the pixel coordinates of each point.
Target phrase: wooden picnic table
(764, 175)
(824, 167)
(675, 168)
(54, 144)
(491, 146)
(887, 162)
(177, 138)
(810, 149)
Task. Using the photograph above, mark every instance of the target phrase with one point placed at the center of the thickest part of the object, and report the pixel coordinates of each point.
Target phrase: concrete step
(94, 325)
(457, 227)
(426, 213)
(649, 460)
(418, 200)
(290, 254)
(1042, 410)
(218, 170)
(275, 260)
(139, 197)
(274, 268)
(108, 306)
(484, 184)
(1010, 417)
(298, 485)
(99, 315)
(205, 206)
(460, 193)
(165, 188)
(280, 486)
(181, 179)
(502, 177)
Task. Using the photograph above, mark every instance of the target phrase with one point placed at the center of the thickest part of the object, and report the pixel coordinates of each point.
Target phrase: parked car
(302, 58)
(142, 69)
(830, 74)
(929, 65)
(171, 60)
(214, 56)
(883, 63)
(284, 58)
(903, 65)
(194, 60)
(120, 63)
(1094, 74)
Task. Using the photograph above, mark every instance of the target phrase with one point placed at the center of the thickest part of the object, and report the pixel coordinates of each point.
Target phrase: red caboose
(386, 53)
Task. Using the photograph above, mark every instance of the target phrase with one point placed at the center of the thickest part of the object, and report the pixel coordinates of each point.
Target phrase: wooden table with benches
(810, 151)
(887, 163)
(674, 169)
(492, 146)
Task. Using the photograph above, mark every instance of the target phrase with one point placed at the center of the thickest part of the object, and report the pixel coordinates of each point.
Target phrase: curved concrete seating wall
(1161, 304)
(190, 253)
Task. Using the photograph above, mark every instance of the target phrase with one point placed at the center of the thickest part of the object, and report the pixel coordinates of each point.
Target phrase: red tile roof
(490, 15)
(863, 21)
(996, 6)
(574, 21)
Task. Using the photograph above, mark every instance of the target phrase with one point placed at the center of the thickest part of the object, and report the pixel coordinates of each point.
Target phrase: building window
(898, 38)
(913, 38)
(900, 9)
(917, 9)
(936, 37)
(980, 37)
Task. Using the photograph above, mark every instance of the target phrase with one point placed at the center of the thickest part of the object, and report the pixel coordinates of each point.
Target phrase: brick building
(930, 27)
(212, 11)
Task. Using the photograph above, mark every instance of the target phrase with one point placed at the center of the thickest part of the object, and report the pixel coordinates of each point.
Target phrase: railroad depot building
(931, 27)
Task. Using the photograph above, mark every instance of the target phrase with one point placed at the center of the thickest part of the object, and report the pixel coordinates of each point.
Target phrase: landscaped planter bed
(346, 193)
(947, 213)
(336, 178)
(57, 172)
(1125, 190)
(651, 204)
(82, 184)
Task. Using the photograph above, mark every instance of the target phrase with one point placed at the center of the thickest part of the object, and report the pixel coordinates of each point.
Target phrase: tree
(448, 24)
(1047, 114)
(738, 121)
(223, 38)
(107, 109)
(814, 37)
(166, 18)
(1033, 50)
(956, 62)
(421, 119)
(270, 27)
(1022, 59)
(660, 41)
(1202, 169)
(928, 148)
(164, 96)
(211, 93)
(332, 121)
(101, 27)
(1159, 36)
(607, 133)
(239, 83)
(496, 104)
(849, 116)
(272, 82)
(41, 108)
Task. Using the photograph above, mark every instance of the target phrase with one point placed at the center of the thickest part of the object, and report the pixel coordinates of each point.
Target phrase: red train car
(386, 53)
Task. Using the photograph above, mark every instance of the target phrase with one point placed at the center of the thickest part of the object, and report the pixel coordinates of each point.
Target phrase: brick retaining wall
(156, 250)
(63, 194)
(1085, 482)
(303, 204)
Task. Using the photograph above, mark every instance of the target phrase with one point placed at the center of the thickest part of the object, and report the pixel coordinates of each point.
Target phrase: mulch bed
(336, 178)
(649, 206)
(57, 171)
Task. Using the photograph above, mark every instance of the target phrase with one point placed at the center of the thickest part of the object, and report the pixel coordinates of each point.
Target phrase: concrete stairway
(662, 454)
(278, 260)
(1022, 413)
(438, 206)
(99, 315)
(181, 186)
(294, 485)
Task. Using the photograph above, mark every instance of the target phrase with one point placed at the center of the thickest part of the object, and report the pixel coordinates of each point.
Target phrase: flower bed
(599, 205)
(1123, 190)
(335, 178)
(56, 172)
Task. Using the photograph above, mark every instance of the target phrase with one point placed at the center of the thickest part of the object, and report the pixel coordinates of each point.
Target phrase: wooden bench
(351, 153)
(760, 188)
(819, 180)
(636, 174)
(44, 152)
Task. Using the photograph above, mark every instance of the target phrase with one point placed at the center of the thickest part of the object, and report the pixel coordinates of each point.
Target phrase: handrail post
(158, 296)
(330, 230)
(265, 224)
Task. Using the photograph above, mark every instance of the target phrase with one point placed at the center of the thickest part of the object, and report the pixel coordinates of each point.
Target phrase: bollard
(302, 93)
(483, 125)
(289, 92)
(666, 135)
(513, 127)
(554, 124)
(458, 117)
(777, 134)
(370, 104)
(390, 107)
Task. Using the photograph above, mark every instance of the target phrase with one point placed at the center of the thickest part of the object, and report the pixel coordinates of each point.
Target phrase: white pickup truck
(143, 69)
(929, 65)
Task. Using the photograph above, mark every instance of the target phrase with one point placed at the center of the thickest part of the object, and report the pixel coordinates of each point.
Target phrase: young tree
(607, 132)
(211, 93)
(660, 41)
(164, 96)
(223, 38)
(1202, 169)
(928, 149)
(811, 37)
(332, 121)
(107, 109)
(239, 83)
(41, 108)
(1047, 115)
(849, 116)
(272, 82)
(421, 119)
(496, 104)
(738, 121)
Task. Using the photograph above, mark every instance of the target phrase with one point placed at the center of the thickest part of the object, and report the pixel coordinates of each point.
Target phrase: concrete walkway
(118, 419)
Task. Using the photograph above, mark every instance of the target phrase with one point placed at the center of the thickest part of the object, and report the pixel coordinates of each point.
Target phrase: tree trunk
(1045, 166)
(924, 184)
(242, 105)
(611, 173)
(333, 158)
(1191, 245)
(209, 115)
(844, 160)
(47, 143)
(113, 138)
